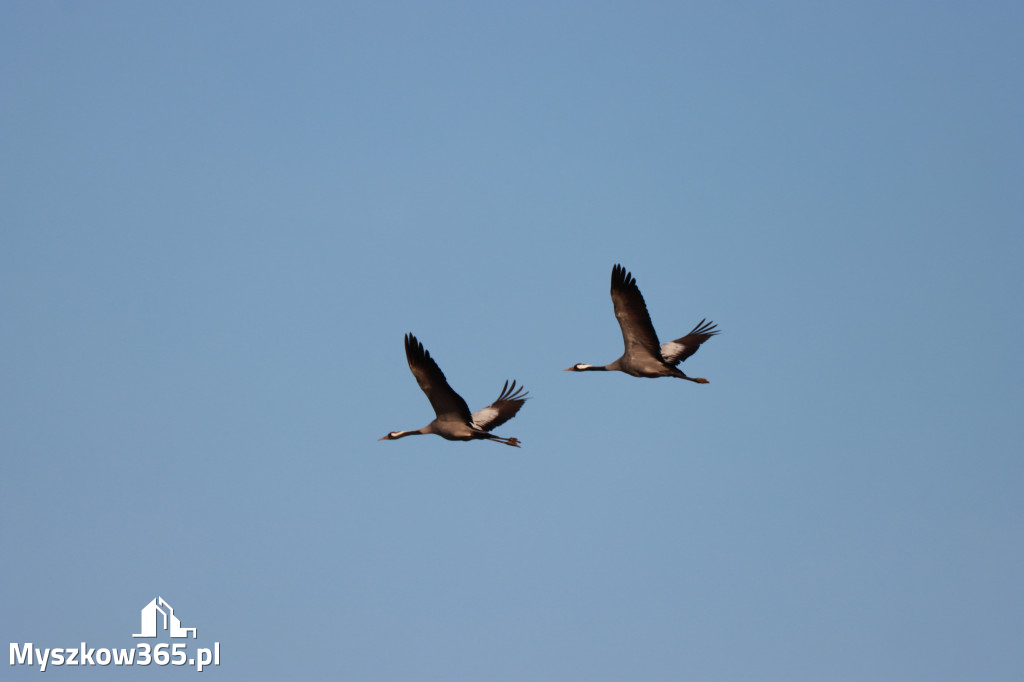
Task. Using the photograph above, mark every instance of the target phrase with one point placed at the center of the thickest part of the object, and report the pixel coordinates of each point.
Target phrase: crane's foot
(701, 381)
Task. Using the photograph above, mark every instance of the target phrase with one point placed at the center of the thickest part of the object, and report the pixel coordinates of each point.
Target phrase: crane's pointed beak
(383, 438)
(569, 369)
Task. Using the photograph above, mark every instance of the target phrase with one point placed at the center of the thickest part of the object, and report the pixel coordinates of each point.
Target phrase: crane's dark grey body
(454, 420)
(644, 356)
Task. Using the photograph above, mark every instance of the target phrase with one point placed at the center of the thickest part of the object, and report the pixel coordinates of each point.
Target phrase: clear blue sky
(219, 219)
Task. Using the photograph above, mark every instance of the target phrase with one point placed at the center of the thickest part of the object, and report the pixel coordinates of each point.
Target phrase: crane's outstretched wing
(502, 409)
(448, 405)
(676, 351)
(638, 333)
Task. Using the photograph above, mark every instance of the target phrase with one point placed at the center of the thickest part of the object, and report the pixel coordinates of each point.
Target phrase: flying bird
(644, 357)
(454, 421)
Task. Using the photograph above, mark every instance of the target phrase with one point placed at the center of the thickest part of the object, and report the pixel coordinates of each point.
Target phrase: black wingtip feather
(511, 393)
(415, 353)
(622, 278)
(706, 328)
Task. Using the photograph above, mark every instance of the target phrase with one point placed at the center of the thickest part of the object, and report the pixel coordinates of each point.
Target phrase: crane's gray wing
(638, 333)
(502, 409)
(448, 405)
(676, 351)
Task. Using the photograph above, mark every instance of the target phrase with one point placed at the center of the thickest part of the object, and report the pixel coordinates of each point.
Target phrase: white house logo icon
(149, 620)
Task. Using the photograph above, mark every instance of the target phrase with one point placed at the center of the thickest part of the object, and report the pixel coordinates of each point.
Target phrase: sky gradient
(220, 219)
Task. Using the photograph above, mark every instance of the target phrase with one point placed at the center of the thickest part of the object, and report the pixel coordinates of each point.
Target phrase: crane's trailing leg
(514, 442)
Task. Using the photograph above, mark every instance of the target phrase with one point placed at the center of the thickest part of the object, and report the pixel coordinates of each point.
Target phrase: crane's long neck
(403, 434)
